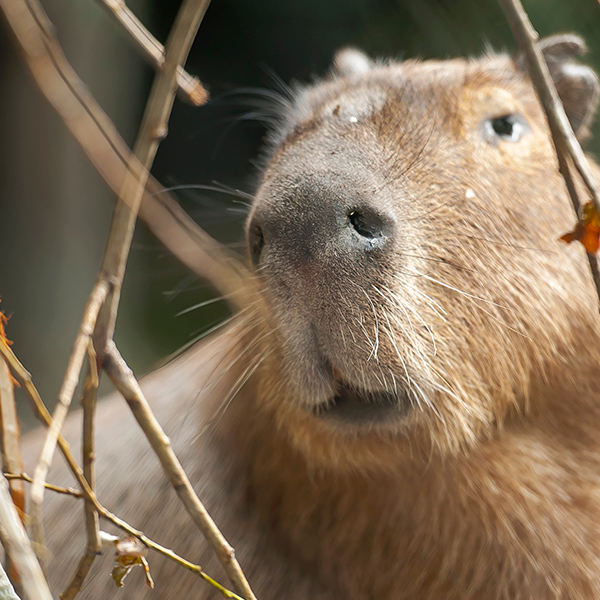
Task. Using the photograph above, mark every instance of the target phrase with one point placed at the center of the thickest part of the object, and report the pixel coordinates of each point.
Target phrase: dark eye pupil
(503, 126)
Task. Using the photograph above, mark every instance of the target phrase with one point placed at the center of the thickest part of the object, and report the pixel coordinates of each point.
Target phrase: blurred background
(55, 210)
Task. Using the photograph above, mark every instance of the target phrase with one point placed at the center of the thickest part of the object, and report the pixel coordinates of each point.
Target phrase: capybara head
(404, 239)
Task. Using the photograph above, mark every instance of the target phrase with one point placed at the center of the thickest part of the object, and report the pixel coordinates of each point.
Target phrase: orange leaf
(131, 553)
(3, 321)
(587, 231)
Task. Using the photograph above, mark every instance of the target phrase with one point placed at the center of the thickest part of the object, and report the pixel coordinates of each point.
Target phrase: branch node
(160, 133)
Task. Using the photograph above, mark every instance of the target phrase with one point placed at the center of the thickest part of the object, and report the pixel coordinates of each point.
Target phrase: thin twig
(42, 412)
(68, 491)
(108, 516)
(152, 130)
(11, 452)
(563, 167)
(65, 395)
(38, 536)
(563, 136)
(100, 140)
(94, 543)
(9, 424)
(190, 88)
(17, 543)
(51, 70)
(23, 375)
(89, 400)
(197, 250)
(83, 568)
(197, 569)
(122, 377)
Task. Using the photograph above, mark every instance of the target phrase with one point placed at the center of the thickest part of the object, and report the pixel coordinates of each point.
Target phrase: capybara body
(409, 405)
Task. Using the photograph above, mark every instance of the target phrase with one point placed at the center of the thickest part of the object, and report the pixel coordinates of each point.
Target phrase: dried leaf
(122, 569)
(130, 547)
(3, 322)
(131, 553)
(587, 231)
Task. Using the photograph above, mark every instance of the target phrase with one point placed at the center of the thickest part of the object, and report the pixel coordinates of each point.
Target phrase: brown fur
(487, 484)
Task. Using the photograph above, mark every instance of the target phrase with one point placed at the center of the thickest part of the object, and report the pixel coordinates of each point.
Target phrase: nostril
(256, 242)
(367, 225)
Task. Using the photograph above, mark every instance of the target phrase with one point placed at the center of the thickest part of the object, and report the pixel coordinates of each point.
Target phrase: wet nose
(314, 219)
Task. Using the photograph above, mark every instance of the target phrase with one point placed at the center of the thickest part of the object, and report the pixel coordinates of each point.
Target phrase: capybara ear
(351, 61)
(577, 85)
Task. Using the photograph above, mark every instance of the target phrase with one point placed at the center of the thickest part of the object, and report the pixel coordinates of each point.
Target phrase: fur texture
(483, 480)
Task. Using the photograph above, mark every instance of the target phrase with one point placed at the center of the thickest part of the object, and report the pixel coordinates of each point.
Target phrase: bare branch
(123, 379)
(17, 543)
(69, 491)
(129, 174)
(565, 140)
(563, 167)
(108, 516)
(89, 400)
(152, 130)
(94, 543)
(42, 412)
(190, 88)
(197, 250)
(111, 156)
(11, 452)
(65, 395)
(83, 569)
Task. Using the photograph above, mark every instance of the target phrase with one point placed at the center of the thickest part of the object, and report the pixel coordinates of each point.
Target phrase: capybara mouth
(352, 405)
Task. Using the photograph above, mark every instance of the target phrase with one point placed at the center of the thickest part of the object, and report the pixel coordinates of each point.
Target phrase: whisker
(413, 310)
(376, 326)
(184, 285)
(219, 186)
(495, 318)
(213, 329)
(209, 188)
(341, 326)
(451, 202)
(503, 243)
(239, 319)
(247, 348)
(437, 308)
(393, 342)
(421, 153)
(415, 347)
(434, 280)
(429, 403)
(237, 386)
(189, 309)
(286, 92)
(396, 392)
(504, 324)
(441, 261)
(362, 326)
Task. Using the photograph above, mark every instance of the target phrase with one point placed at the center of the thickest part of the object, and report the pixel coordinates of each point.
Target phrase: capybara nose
(316, 219)
(372, 229)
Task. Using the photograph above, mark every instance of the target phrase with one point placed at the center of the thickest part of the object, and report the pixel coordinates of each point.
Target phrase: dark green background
(54, 209)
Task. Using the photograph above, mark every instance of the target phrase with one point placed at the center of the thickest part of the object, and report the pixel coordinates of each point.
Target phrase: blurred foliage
(241, 44)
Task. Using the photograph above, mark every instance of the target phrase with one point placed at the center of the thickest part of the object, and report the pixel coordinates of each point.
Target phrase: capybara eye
(508, 127)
